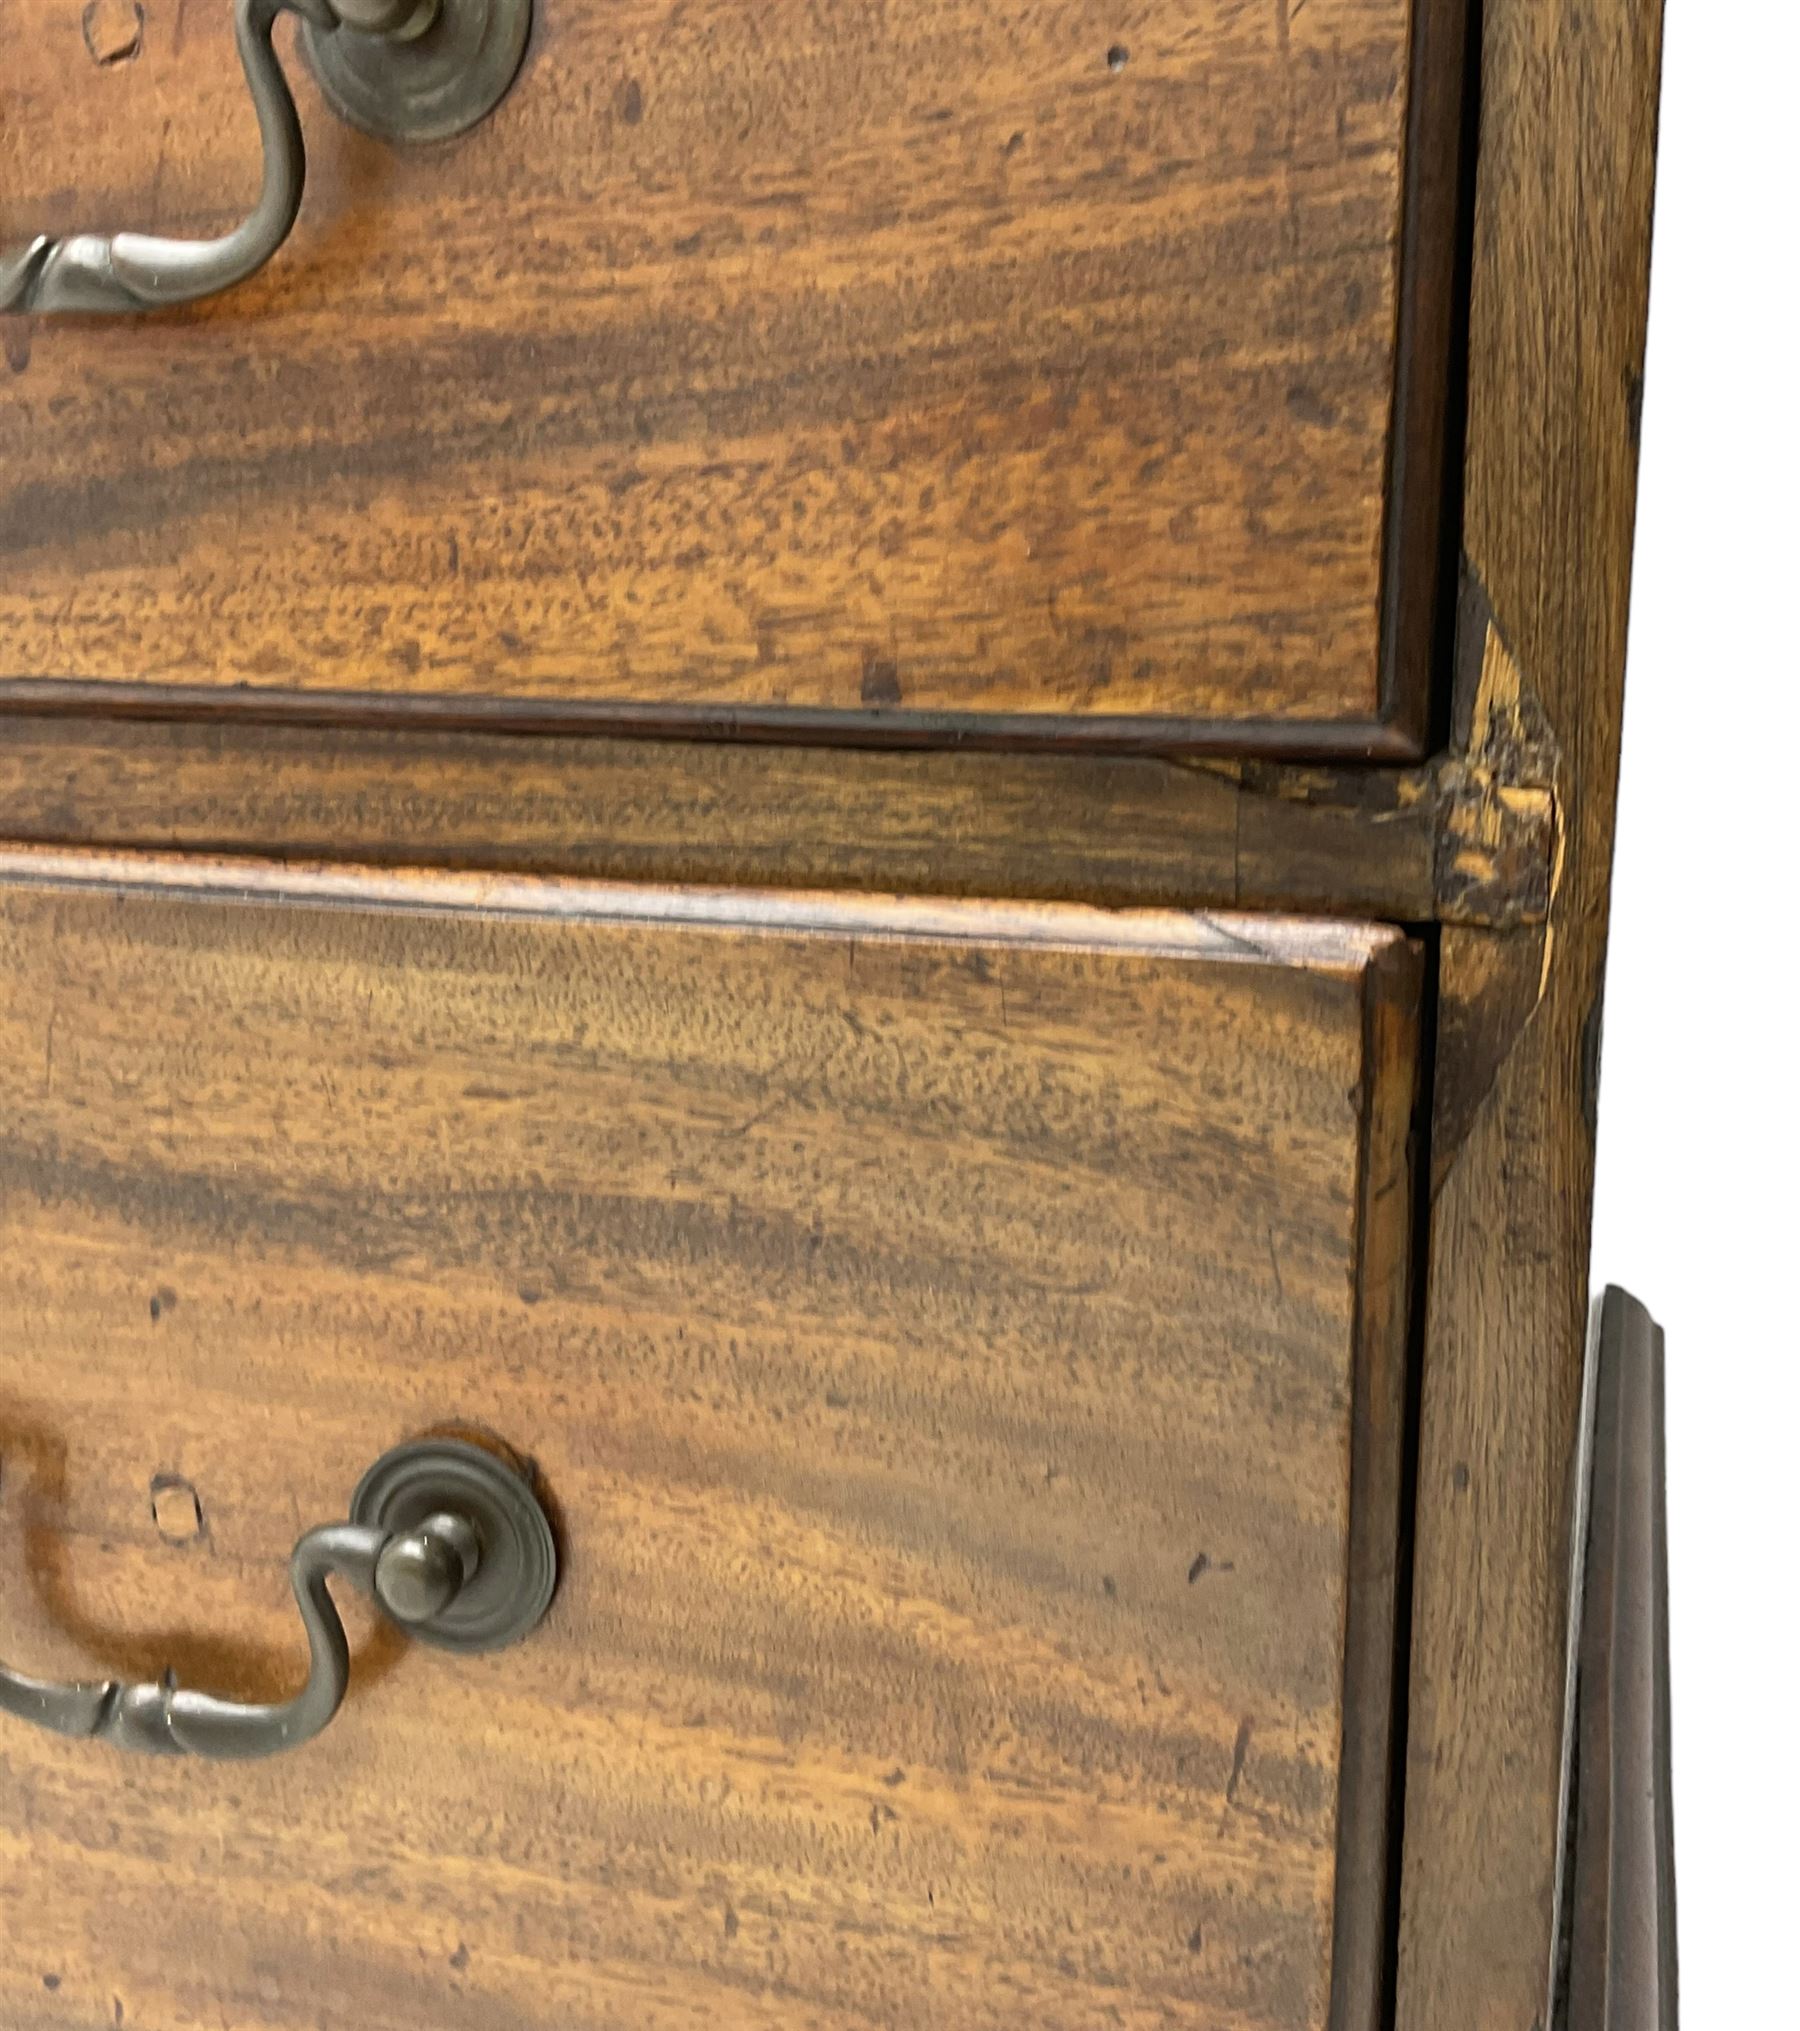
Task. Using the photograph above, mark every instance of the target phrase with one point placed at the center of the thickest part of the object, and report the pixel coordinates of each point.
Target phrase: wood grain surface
(921, 363)
(1561, 275)
(963, 1346)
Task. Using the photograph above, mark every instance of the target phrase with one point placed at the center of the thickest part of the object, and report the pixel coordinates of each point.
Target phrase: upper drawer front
(1031, 368)
(960, 1344)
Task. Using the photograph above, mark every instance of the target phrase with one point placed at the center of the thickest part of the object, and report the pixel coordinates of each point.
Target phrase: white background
(1698, 1208)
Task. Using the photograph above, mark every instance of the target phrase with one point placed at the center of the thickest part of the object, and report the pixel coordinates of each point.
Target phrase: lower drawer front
(960, 1346)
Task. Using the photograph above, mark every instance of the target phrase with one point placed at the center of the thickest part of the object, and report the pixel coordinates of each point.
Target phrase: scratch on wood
(1240, 1752)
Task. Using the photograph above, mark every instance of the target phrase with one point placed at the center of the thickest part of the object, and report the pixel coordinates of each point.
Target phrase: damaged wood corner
(1471, 841)
(1500, 849)
(1500, 827)
(1503, 822)
(1472, 838)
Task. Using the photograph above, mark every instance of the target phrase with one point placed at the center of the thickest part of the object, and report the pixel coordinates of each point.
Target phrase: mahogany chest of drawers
(810, 805)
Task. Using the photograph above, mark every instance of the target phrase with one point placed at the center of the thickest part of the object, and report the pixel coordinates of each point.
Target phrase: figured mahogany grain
(925, 362)
(963, 1346)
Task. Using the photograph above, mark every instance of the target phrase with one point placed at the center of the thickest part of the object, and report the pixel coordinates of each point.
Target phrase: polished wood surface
(1049, 367)
(965, 1348)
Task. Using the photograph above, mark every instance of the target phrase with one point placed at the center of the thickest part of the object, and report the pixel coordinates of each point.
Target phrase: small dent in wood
(1310, 407)
(880, 681)
(113, 31)
(175, 1509)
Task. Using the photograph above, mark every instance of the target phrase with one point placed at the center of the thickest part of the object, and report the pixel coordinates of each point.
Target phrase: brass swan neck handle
(449, 1541)
(405, 70)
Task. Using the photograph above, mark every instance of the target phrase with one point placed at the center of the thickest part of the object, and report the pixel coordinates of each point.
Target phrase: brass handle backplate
(448, 1539)
(403, 70)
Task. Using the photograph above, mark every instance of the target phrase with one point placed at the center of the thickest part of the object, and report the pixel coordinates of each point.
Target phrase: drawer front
(961, 1348)
(1056, 369)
